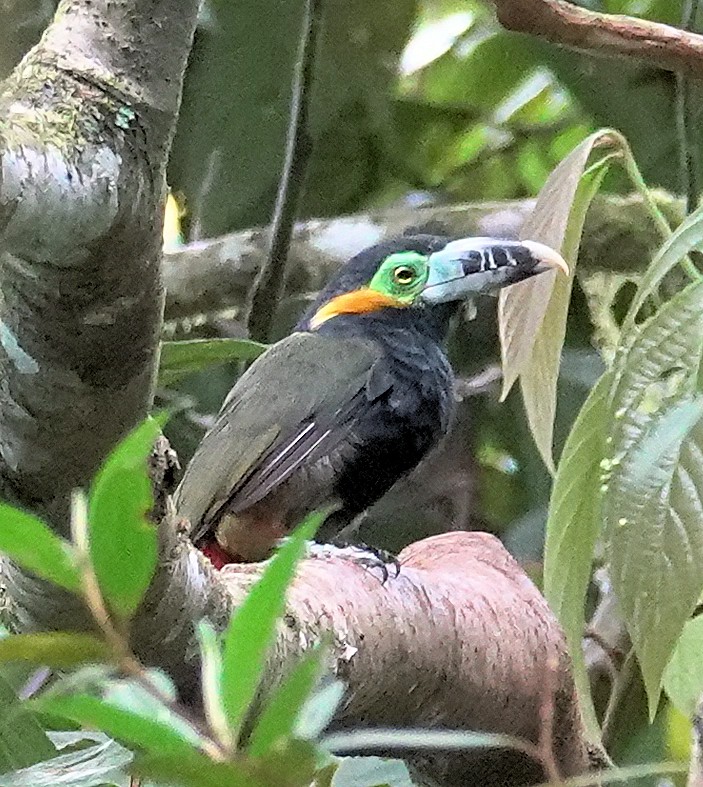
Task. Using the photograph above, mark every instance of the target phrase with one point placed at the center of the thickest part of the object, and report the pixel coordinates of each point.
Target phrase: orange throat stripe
(356, 302)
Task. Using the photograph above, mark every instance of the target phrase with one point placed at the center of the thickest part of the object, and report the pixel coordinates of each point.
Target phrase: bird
(361, 390)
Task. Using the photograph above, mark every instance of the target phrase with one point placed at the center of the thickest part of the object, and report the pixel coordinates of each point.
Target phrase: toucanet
(352, 400)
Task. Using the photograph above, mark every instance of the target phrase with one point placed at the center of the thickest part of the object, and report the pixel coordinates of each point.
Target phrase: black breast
(408, 410)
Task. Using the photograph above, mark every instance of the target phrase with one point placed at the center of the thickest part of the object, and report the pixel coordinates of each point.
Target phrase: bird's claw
(370, 558)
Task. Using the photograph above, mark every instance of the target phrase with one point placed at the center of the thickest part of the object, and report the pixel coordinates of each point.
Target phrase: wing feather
(295, 404)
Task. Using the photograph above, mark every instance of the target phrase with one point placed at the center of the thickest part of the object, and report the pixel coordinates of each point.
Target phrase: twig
(662, 46)
(686, 125)
(268, 286)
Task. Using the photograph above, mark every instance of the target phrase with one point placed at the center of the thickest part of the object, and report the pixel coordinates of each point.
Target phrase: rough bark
(213, 275)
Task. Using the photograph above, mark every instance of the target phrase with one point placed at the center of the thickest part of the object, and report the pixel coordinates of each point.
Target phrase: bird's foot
(369, 558)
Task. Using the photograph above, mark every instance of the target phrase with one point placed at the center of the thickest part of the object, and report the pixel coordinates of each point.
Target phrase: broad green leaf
(532, 315)
(58, 649)
(277, 721)
(683, 677)
(538, 379)
(32, 545)
(131, 696)
(95, 766)
(318, 711)
(190, 769)
(213, 698)
(179, 359)
(522, 307)
(371, 771)
(252, 627)
(572, 530)
(122, 542)
(131, 728)
(22, 740)
(653, 500)
(688, 236)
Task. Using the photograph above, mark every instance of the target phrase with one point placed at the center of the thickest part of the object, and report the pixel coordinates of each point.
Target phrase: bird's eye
(404, 274)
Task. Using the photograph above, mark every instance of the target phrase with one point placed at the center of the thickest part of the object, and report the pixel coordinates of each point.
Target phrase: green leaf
(131, 728)
(522, 307)
(32, 545)
(532, 315)
(57, 649)
(122, 541)
(572, 530)
(688, 236)
(213, 696)
(653, 499)
(277, 721)
(252, 627)
(179, 359)
(683, 677)
(22, 740)
(317, 713)
(89, 767)
(190, 769)
(538, 379)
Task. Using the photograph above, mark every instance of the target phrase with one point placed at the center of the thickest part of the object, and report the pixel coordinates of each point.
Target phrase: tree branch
(213, 275)
(560, 22)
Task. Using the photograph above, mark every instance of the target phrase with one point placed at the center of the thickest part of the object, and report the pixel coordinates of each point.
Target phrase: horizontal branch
(659, 45)
(214, 275)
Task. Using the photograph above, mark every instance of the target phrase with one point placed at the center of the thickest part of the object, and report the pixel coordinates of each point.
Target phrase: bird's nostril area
(473, 262)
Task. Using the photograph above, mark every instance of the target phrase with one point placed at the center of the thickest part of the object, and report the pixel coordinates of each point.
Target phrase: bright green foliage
(179, 359)
(22, 740)
(572, 530)
(191, 769)
(683, 677)
(133, 729)
(58, 649)
(277, 722)
(651, 505)
(29, 542)
(252, 627)
(122, 541)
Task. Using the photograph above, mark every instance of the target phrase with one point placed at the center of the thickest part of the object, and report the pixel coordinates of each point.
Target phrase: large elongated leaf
(653, 503)
(252, 627)
(132, 728)
(572, 531)
(683, 678)
(122, 541)
(179, 359)
(278, 719)
(31, 544)
(532, 315)
(57, 649)
(22, 740)
(522, 308)
(688, 236)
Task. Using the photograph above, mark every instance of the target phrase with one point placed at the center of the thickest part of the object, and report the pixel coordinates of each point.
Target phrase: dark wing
(295, 404)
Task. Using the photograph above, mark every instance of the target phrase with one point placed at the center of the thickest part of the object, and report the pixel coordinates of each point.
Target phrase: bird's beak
(469, 266)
